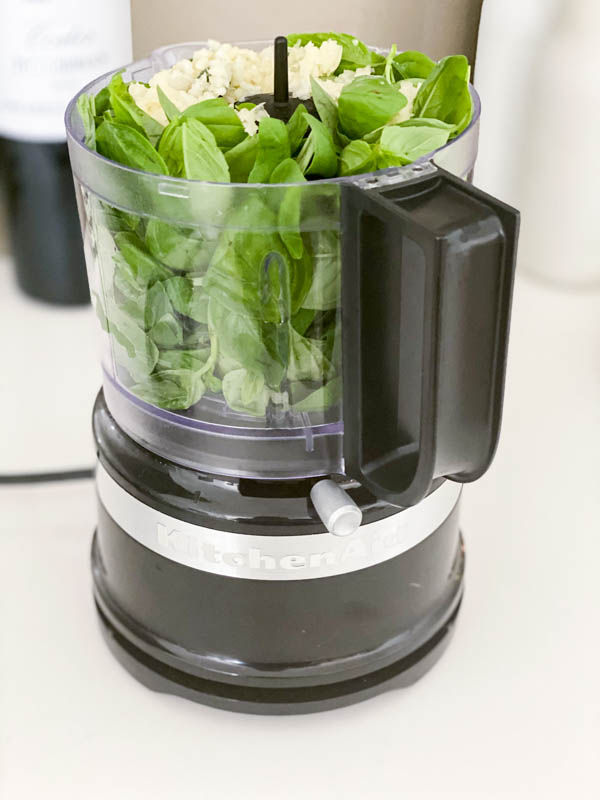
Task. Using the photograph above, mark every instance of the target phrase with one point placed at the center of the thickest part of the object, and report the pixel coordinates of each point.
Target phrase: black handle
(427, 273)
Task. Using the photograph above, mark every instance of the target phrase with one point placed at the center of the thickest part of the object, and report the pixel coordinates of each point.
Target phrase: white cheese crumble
(409, 89)
(309, 61)
(334, 85)
(234, 73)
(251, 117)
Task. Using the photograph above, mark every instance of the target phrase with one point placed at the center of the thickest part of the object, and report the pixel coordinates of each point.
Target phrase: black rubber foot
(252, 700)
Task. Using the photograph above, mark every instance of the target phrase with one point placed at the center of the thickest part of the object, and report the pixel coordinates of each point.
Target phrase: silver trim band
(275, 558)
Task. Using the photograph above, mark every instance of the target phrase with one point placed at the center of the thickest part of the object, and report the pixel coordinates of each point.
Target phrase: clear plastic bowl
(221, 344)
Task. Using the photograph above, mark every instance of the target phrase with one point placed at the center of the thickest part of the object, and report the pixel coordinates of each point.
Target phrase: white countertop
(511, 710)
(49, 377)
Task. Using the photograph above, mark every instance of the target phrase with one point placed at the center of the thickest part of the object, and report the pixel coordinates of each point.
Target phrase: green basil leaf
(145, 269)
(197, 338)
(249, 272)
(167, 331)
(171, 389)
(156, 305)
(412, 64)
(388, 69)
(322, 398)
(445, 94)
(125, 282)
(297, 125)
(273, 148)
(240, 343)
(413, 122)
(245, 391)
(128, 112)
(341, 138)
(300, 280)
(307, 361)
(275, 335)
(221, 120)
(170, 148)
(288, 217)
(203, 161)
(355, 158)
(102, 101)
(324, 293)
(87, 111)
(373, 136)
(402, 144)
(132, 348)
(170, 109)
(141, 304)
(368, 103)
(213, 384)
(241, 158)
(133, 308)
(127, 146)
(425, 122)
(179, 248)
(193, 360)
(326, 108)
(355, 53)
(318, 154)
(116, 220)
(303, 319)
(187, 298)
(225, 362)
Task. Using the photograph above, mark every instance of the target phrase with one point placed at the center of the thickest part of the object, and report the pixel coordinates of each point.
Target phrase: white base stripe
(275, 558)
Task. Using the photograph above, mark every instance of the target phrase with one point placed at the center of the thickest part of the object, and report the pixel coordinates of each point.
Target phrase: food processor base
(161, 677)
(181, 564)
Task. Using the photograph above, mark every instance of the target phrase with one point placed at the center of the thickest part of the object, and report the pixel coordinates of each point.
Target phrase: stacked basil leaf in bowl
(213, 229)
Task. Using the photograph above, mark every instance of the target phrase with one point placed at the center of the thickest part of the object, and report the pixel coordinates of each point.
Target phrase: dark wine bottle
(44, 227)
(49, 49)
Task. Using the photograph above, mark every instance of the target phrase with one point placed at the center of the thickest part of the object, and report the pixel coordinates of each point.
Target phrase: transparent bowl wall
(221, 343)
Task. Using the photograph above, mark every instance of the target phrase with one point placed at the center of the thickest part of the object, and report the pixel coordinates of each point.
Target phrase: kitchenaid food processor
(297, 380)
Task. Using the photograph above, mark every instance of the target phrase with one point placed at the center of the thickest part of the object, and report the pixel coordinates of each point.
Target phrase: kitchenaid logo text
(203, 552)
(275, 558)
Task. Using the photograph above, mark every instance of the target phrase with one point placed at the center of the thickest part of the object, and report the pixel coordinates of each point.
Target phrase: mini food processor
(298, 378)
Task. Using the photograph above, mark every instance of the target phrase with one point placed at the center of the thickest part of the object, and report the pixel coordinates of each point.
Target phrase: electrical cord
(46, 477)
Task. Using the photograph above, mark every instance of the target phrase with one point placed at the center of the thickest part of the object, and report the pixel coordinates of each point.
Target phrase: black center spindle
(280, 77)
(279, 104)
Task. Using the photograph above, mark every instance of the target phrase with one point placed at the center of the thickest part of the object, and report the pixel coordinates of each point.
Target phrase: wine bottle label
(49, 50)
(275, 558)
